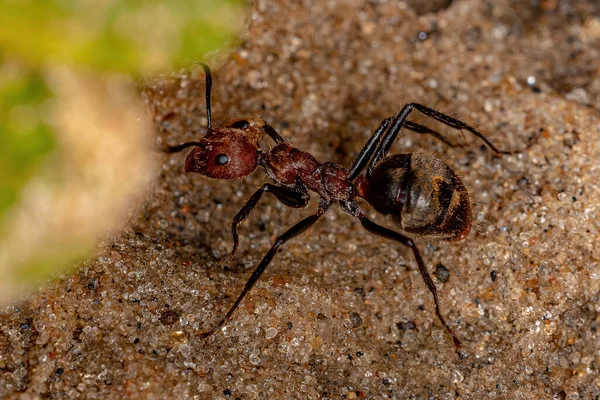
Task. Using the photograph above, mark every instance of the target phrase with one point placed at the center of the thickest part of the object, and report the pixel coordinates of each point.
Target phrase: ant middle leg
(295, 197)
(291, 233)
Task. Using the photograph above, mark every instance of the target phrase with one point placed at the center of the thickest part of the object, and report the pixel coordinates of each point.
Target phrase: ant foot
(204, 335)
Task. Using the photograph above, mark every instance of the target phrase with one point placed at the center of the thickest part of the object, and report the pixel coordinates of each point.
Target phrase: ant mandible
(417, 191)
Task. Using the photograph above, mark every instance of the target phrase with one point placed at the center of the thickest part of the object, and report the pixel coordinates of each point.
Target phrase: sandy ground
(342, 314)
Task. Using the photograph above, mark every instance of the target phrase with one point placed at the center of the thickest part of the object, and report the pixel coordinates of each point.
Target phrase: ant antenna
(208, 76)
(208, 89)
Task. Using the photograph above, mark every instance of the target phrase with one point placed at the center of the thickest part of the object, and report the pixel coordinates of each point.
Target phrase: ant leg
(425, 130)
(291, 233)
(353, 209)
(269, 130)
(390, 136)
(369, 148)
(367, 151)
(454, 123)
(296, 197)
(400, 121)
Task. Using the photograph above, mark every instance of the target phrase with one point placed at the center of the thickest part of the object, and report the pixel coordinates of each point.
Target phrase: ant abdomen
(421, 194)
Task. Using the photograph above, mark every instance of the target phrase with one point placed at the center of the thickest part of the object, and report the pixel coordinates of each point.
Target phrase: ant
(420, 193)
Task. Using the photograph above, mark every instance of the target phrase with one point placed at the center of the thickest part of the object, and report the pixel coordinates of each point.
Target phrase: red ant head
(227, 152)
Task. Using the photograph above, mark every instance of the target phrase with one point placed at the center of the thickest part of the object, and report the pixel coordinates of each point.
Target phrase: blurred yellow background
(75, 141)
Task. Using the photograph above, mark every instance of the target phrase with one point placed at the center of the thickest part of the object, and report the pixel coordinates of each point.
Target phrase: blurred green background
(130, 36)
(116, 35)
(24, 138)
(40, 40)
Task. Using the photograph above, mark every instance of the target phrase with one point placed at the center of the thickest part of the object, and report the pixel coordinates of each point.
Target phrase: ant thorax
(287, 165)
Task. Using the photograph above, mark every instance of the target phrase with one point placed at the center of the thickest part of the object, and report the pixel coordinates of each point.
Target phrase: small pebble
(442, 273)
(405, 326)
(316, 342)
(169, 317)
(355, 319)
(271, 333)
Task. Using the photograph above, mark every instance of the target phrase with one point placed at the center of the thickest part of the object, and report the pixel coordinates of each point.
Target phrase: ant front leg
(291, 233)
(353, 209)
(295, 197)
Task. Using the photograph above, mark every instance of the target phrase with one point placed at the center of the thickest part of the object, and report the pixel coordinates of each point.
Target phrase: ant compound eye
(241, 124)
(221, 159)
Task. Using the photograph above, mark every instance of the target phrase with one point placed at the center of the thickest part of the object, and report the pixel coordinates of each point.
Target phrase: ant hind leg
(421, 129)
(353, 209)
(389, 234)
(400, 120)
(455, 123)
